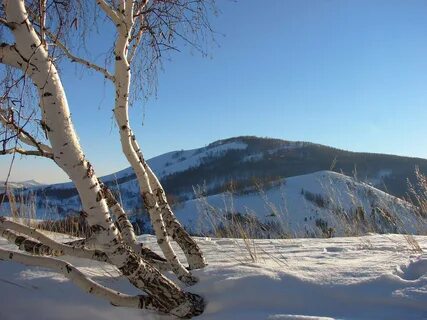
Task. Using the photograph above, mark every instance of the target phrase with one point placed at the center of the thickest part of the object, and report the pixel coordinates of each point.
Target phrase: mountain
(245, 165)
(321, 204)
(20, 185)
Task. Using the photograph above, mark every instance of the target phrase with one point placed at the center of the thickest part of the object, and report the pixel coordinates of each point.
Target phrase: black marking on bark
(111, 200)
(47, 94)
(90, 171)
(19, 240)
(97, 228)
(11, 255)
(130, 266)
(100, 256)
(118, 58)
(94, 185)
(99, 196)
(68, 268)
(45, 128)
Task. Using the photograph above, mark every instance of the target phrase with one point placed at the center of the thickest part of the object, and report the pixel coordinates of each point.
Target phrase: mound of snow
(415, 269)
(290, 279)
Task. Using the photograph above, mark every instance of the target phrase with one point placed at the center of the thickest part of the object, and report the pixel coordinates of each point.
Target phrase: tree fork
(68, 155)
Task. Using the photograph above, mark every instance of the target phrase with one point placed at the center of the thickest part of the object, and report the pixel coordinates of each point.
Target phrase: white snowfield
(370, 277)
(304, 205)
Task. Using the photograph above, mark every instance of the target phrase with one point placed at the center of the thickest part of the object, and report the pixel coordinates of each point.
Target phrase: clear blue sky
(346, 73)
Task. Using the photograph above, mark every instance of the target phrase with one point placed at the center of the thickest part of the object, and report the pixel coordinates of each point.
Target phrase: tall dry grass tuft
(353, 211)
(21, 205)
(418, 192)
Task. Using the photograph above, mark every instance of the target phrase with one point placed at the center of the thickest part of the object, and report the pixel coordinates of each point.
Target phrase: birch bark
(122, 76)
(31, 57)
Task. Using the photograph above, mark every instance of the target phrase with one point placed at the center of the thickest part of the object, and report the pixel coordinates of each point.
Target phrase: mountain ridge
(241, 165)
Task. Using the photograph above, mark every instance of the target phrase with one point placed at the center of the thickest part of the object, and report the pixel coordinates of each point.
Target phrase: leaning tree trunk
(155, 204)
(122, 84)
(175, 230)
(31, 57)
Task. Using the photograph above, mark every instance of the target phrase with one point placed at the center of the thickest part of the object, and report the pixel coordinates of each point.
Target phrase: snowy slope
(366, 278)
(171, 162)
(320, 204)
(324, 203)
(21, 185)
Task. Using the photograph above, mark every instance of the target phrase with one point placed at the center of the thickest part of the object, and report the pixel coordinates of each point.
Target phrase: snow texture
(303, 205)
(371, 277)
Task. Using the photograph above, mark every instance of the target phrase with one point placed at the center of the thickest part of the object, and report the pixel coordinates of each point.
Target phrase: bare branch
(25, 244)
(59, 247)
(82, 281)
(137, 40)
(42, 9)
(23, 135)
(74, 58)
(27, 152)
(4, 22)
(10, 56)
(109, 11)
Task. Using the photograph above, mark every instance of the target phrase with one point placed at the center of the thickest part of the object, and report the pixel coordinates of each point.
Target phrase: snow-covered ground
(371, 277)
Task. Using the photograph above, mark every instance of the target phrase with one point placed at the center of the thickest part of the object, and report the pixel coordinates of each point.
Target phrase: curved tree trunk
(77, 277)
(175, 230)
(30, 56)
(122, 84)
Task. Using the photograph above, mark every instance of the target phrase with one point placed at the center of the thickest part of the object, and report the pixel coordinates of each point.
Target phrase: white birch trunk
(77, 277)
(122, 83)
(57, 248)
(174, 229)
(31, 56)
(128, 233)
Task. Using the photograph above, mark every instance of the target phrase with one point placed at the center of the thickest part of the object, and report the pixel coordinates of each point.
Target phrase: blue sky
(346, 73)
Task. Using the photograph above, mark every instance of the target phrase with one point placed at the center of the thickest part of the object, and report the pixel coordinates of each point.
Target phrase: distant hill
(240, 164)
(20, 185)
(321, 204)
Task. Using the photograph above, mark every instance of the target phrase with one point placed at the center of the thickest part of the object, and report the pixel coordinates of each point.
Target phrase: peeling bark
(122, 78)
(77, 277)
(175, 230)
(128, 232)
(32, 58)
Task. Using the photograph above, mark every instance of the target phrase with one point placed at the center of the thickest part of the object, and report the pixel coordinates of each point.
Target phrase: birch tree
(35, 38)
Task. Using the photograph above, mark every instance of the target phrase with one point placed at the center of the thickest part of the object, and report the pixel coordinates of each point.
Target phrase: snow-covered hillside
(324, 203)
(20, 185)
(319, 203)
(353, 278)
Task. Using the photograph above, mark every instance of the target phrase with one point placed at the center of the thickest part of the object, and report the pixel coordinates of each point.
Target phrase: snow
(171, 162)
(179, 161)
(287, 204)
(371, 277)
(20, 185)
